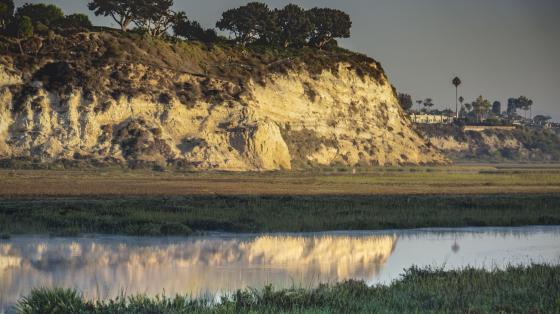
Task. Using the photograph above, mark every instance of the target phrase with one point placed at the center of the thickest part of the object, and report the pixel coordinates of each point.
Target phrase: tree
(294, 26)
(20, 28)
(456, 82)
(405, 101)
(512, 107)
(75, 21)
(248, 23)
(6, 12)
(419, 102)
(428, 104)
(41, 15)
(541, 120)
(522, 103)
(154, 16)
(481, 107)
(192, 30)
(121, 11)
(328, 24)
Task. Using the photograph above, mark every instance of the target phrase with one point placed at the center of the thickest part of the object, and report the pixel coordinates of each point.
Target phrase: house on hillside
(424, 118)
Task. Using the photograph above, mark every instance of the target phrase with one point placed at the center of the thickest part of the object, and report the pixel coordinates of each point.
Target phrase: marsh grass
(532, 289)
(184, 215)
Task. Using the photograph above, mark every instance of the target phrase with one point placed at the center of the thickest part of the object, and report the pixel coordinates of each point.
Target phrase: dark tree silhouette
(419, 102)
(294, 26)
(154, 16)
(456, 82)
(405, 101)
(20, 29)
(328, 24)
(121, 11)
(192, 30)
(541, 119)
(75, 21)
(41, 15)
(6, 12)
(248, 23)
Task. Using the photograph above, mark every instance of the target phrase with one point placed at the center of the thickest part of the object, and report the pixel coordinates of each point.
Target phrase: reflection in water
(103, 267)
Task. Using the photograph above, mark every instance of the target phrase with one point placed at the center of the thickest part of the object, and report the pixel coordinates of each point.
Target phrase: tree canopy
(481, 106)
(328, 24)
(75, 21)
(521, 102)
(6, 12)
(21, 27)
(405, 100)
(192, 30)
(294, 26)
(290, 26)
(248, 23)
(41, 15)
(153, 16)
(542, 119)
(121, 11)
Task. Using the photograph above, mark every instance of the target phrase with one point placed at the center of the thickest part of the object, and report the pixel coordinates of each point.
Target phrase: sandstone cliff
(494, 145)
(104, 99)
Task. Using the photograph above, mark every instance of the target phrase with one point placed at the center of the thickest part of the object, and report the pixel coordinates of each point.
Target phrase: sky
(499, 48)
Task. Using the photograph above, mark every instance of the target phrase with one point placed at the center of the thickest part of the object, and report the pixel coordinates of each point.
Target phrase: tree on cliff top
(43, 16)
(192, 30)
(75, 21)
(154, 16)
(248, 23)
(122, 11)
(294, 26)
(328, 25)
(6, 12)
(481, 107)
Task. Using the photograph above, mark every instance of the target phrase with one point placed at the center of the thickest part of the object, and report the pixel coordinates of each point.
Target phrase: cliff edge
(107, 98)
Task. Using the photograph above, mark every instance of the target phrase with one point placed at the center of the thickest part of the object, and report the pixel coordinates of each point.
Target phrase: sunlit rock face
(332, 118)
(105, 268)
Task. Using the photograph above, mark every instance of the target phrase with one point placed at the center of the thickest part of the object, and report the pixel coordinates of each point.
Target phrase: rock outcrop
(284, 119)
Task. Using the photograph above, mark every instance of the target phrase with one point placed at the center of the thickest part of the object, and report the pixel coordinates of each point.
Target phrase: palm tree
(428, 104)
(456, 82)
(419, 102)
(461, 100)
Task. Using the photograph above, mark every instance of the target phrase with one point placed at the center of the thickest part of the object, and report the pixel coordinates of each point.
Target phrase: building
(431, 118)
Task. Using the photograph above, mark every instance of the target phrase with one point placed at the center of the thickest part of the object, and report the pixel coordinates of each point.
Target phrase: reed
(532, 289)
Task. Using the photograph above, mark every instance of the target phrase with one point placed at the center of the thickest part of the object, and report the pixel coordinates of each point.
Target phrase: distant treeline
(255, 22)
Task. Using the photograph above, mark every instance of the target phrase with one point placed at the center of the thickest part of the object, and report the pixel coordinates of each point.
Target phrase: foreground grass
(533, 289)
(184, 215)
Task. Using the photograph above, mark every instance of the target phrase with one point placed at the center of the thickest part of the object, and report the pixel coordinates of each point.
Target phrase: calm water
(103, 267)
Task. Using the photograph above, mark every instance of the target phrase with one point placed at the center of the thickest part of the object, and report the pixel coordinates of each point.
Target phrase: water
(107, 266)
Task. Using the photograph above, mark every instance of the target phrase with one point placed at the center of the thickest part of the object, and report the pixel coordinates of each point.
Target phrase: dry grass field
(461, 179)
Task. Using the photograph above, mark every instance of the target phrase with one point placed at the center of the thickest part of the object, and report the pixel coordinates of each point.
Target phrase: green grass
(183, 215)
(533, 289)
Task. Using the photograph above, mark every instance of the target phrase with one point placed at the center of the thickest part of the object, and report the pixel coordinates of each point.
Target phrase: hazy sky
(499, 48)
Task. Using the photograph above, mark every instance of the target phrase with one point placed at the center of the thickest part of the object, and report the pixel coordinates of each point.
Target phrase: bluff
(109, 98)
(494, 145)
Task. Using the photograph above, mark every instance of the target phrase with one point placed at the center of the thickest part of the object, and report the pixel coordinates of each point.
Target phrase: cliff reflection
(103, 268)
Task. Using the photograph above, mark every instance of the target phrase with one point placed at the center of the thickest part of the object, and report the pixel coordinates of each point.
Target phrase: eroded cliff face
(494, 145)
(292, 119)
